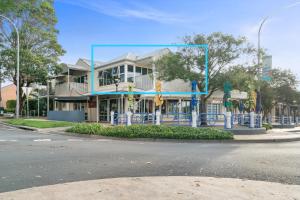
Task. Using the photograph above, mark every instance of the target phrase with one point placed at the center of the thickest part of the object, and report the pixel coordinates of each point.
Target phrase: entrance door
(113, 105)
(103, 112)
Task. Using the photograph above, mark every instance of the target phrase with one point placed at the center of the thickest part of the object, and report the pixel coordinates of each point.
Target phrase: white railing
(75, 89)
(144, 82)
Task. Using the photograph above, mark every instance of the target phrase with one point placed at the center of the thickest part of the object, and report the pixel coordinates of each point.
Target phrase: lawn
(152, 131)
(39, 123)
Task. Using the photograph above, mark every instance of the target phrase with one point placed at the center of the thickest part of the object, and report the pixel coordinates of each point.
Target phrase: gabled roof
(88, 62)
(132, 57)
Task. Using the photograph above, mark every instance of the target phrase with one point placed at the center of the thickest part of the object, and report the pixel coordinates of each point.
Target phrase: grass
(152, 131)
(39, 123)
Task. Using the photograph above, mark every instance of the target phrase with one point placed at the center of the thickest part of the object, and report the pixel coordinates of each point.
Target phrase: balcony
(76, 89)
(144, 82)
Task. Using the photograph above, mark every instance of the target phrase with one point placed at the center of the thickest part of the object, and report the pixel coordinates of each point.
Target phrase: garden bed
(152, 131)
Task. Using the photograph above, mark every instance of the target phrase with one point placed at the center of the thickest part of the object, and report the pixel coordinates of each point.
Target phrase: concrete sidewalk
(274, 135)
(143, 188)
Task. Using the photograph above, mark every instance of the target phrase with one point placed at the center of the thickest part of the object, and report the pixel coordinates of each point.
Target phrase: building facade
(8, 93)
(73, 88)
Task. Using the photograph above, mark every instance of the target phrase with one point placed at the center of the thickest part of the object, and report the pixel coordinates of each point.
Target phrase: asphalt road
(29, 159)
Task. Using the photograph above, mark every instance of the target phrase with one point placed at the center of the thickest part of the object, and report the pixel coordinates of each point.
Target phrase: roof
(78, 67)
(88, 62)
(132, 57)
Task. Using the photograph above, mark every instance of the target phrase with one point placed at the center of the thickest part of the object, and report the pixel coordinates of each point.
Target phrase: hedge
(152, 131)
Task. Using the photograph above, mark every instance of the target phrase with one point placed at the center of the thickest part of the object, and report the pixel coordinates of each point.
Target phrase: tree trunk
(203, 110)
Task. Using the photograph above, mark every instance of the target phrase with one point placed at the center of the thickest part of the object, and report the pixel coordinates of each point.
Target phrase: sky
(82, 23)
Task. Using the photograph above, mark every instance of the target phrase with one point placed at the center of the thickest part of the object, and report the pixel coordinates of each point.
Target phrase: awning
(72, 99)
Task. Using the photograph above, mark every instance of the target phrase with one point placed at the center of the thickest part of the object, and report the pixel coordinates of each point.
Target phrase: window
(138, 71)
(107, 77)
(130, 74)
(144, 71)
(122, 73)
(101, 78)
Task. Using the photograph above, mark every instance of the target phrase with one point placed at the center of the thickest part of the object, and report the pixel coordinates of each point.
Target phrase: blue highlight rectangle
(93, 46)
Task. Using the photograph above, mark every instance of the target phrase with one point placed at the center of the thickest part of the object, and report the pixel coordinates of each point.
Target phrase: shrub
(11, 106)
(152, 131)
(267, 126)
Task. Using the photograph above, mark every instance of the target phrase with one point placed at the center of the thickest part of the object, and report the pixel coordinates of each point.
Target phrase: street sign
(26, 91)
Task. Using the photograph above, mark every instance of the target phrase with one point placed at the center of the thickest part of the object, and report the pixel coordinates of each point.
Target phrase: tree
(188, 62)
(39, 49)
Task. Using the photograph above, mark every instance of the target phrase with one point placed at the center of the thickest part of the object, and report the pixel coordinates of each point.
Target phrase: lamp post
(18, 64)
(258, 62)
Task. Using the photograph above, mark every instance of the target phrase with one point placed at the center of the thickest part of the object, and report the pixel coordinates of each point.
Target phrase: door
(103, 115)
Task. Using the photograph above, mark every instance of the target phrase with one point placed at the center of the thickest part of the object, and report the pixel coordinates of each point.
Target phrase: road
(31, 159)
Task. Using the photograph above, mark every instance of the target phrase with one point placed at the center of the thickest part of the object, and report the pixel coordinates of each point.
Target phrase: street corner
(176, 187)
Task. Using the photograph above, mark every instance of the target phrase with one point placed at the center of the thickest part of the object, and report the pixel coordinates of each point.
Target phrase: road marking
(42, 140)
(103, 140)
(8, 140)
(75, 140)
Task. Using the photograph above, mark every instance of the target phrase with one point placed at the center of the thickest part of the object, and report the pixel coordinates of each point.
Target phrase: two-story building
(73, 88)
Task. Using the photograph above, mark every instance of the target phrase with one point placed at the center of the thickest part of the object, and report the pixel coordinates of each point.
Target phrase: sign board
(27, 90)
(267, 68)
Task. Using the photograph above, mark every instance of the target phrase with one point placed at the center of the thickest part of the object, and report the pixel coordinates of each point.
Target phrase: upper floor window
(130, 74)
(107, 76)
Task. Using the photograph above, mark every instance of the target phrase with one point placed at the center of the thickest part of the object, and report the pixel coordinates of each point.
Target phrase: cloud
(116, 9)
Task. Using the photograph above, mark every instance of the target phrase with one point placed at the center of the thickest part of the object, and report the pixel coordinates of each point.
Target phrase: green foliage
(152, 131)
(39, 49)
(10, 105)
(267, 126)
(39, 123)
(188, 62)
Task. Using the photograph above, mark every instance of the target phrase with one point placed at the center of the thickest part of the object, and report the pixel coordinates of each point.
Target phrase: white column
(228, 120)
(157, 117)
(252, 123)
(112, 113)
(180, 105)
(154, 74)
(97, 107)
(129, 118)
(126, 72)
(242, 118)
(291, 120)
(194, 119)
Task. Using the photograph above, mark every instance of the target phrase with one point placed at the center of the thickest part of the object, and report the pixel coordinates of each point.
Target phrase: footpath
(165, 188)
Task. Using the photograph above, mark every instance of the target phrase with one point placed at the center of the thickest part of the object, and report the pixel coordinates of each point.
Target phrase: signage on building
(267, 68)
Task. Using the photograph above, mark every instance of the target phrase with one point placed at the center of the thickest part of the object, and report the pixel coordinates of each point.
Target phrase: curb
(20, 127)
(181, 141)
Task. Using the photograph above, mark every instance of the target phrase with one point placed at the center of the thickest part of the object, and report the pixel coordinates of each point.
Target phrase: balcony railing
(144, 82)
(74, 90)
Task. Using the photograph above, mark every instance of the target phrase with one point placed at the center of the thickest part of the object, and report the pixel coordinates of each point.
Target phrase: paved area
(272, 135)
(160, 188)
(31, 159)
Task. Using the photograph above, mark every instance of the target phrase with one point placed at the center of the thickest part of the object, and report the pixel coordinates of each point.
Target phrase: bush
(10, 106)
(152, 131)
(267, 126)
